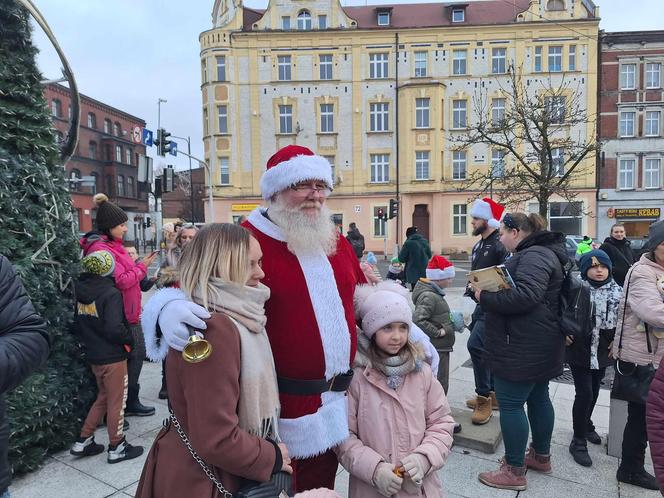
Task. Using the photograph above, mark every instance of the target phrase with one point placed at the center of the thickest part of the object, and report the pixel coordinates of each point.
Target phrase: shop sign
(636, 212)
(243, 207)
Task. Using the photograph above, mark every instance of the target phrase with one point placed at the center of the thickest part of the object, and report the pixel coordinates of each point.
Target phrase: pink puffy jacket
(644, 304)
(386, 425)
(655, 423)
(127, 275)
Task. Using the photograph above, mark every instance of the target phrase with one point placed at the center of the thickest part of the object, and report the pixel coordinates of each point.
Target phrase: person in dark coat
(525, 346)
(24, 347)
(415, 254)
(588, 354)
(620, 252)
(356, 240)
(655, 424)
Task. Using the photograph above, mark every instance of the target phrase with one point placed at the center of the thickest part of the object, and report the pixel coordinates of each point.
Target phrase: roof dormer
(457, 12)
(384, 16)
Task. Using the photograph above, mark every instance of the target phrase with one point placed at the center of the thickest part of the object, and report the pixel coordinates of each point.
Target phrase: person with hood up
(525, 346)
(399, 419)
(356, 240)
(111, 225)
(101, 326)
(415, 255)
(586, 245)
(619, 251)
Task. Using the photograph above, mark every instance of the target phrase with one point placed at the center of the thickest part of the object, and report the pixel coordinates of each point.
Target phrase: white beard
(305, 234)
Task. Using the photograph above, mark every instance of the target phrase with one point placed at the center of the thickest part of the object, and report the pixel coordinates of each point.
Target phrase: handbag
(631, 381)
(278, 487)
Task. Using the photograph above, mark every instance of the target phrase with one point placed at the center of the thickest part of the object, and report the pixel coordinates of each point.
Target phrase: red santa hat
(291, 165)
(439, 268)
(488, 209)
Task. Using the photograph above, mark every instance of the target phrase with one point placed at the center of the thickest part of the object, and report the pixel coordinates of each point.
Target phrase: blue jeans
(514, 422)
(483, 376)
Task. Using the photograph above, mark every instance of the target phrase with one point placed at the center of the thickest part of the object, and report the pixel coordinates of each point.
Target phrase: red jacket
(655, 423)
(127, 275)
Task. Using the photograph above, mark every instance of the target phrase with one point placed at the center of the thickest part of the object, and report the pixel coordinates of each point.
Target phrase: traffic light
(168, 179)
(394, 208)
(148, 222)
(381, 214)
(162, 142)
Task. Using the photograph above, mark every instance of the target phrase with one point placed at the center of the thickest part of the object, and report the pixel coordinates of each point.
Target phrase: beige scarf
(258, 407)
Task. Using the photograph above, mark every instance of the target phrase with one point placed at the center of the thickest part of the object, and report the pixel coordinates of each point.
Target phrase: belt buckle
(332, 382)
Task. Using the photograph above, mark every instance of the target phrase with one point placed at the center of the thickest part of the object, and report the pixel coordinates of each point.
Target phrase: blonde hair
(219, 250)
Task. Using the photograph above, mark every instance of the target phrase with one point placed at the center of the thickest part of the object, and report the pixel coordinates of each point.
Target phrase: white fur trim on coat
(156, 348)
(438, 274)
(297, 169)
(314, 434)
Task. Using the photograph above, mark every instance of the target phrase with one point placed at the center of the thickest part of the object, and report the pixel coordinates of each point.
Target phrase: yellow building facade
(383, 92)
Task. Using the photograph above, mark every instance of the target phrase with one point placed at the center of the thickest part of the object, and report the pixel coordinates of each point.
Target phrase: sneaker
(482, 412)
(472, 402)
(506, 477)
(579, 450)
(639, 478)
(535, 461)
(86, 446)
(457, 428)
(593, 437)
(123, 451)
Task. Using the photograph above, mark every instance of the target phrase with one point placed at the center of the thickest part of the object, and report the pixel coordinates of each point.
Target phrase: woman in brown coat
(228, 404)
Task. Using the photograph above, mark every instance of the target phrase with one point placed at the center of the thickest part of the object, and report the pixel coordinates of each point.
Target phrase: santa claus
(312, 273)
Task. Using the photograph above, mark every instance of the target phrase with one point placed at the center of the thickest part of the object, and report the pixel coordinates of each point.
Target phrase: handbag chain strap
(225, 493)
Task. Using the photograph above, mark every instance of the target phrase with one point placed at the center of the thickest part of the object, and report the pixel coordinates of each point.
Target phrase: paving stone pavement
(64, 476)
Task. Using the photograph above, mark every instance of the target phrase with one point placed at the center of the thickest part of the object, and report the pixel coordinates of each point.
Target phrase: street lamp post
(209, 172)
(191, 176)
(159, 101)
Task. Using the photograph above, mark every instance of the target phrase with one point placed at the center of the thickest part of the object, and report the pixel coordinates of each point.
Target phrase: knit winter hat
(488, 209)
(655, 235)
(377, 306)
(371, 258)
(99, 263)
(291, 165)
(108, 214)
(439, 268)
(395, 260)
(594, 258)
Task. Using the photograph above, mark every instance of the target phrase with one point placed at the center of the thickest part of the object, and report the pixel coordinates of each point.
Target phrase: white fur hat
(488, 209)
(291, 165)
(380, 305)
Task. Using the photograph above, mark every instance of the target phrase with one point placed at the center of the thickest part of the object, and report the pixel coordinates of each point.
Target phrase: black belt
(338, 383)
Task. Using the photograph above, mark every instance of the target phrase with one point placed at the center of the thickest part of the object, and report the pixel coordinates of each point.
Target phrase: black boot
(639, 478)
(593, 437)
(134, 406)
(163, 392)
(579, 450)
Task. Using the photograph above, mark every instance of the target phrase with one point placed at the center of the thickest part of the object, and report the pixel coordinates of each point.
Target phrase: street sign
(136, 135)
(173, 149)
(147, 137)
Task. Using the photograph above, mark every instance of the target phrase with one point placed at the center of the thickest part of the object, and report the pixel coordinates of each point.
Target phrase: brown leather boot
(540, 463)
(470, 403)
(506, 477)
(482, 412)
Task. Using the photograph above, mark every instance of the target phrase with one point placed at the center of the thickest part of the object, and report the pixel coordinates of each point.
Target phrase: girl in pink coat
(399, 419)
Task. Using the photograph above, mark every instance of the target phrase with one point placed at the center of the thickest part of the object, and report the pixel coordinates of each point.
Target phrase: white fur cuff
(157, 348)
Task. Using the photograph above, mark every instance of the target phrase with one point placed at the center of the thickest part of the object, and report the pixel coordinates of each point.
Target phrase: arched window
(92, 120)
(117, 129)
(130, 186)
(56, 108)
(128, 156)
(304, 20)
(121, 186)
(96, 186)
(92, 150)
(75, 175)
(555, 5)
(118, 154)
(107, 126)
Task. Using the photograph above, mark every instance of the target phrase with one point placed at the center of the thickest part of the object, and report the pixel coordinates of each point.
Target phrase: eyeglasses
(321, 188)
(509, 222)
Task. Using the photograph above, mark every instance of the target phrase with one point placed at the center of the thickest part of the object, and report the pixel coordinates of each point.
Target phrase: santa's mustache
(310, 204)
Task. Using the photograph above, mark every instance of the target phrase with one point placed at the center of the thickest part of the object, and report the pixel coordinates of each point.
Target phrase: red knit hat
(488, 209)
(439, 268)
(291, 165)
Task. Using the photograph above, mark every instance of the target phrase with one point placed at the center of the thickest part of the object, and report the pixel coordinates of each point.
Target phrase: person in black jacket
(356, 240)
(525, 345)
(620, 252)
(24, 347)
(104, 332)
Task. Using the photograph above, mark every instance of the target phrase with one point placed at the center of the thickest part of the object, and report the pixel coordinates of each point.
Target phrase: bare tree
(541, 134)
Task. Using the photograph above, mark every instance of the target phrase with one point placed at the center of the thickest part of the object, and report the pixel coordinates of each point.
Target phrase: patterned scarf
(606, 300)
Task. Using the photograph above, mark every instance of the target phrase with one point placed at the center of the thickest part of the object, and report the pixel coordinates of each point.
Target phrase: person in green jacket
(415, 254)
(586, 245)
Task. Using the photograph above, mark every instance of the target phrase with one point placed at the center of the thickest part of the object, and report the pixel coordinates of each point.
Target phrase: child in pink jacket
(399, 419)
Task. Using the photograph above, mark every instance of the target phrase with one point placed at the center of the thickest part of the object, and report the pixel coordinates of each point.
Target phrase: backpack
(575, 306)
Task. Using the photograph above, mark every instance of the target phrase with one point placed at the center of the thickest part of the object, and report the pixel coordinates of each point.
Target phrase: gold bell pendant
(196, 349)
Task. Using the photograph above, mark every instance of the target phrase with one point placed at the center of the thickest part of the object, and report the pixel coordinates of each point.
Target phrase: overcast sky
(128, 53)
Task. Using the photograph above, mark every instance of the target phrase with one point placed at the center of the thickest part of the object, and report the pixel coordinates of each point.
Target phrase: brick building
(631, 105)
(104, 151)
(178, 205)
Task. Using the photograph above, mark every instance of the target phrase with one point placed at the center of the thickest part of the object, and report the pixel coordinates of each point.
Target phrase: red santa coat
(311, 327)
